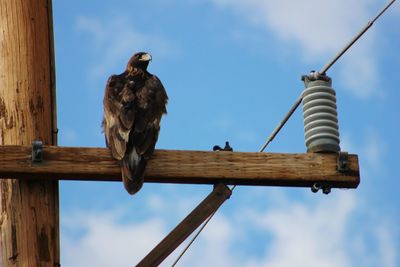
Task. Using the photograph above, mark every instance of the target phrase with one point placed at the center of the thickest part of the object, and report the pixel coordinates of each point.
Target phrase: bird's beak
(145, 57)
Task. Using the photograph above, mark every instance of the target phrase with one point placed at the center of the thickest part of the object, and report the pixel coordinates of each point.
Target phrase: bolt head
(326, 190)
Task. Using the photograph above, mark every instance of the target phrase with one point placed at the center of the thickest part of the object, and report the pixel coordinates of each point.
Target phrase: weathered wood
(29, 208)
(179, 166)
(207, 207)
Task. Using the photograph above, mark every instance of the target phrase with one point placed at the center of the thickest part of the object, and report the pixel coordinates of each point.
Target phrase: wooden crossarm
(182, 166)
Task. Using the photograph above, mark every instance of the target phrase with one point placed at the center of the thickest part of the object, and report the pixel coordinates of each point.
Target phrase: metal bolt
(37, 151)
(315, 188)
(326, 190)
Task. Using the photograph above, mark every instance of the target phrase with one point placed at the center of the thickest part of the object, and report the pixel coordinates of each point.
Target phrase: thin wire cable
(193, 239)
(355, 38)
(282, 123)
(212, 214)
(290, 113)
(322, 71)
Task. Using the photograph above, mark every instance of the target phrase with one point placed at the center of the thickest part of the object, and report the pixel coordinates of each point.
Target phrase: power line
(211, 216)
(323, 70)
(355, 38)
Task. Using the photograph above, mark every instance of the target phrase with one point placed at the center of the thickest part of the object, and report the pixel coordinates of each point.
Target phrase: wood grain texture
(182, 166)
(29, 208)
(191, 222)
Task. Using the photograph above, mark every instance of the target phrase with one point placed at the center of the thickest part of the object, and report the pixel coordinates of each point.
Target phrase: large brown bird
(134, 102)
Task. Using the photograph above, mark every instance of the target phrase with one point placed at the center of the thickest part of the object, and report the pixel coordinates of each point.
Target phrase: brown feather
(134, 103)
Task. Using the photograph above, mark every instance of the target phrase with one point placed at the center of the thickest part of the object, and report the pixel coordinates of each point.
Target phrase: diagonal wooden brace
(207, 207)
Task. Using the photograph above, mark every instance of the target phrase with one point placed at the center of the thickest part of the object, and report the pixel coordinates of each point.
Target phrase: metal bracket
(226, 148)
(342, 166)
(343, 162)
(315, 75)
(37, 151)
(326, 188)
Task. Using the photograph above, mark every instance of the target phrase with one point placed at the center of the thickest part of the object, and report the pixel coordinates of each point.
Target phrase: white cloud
(358, 71)
(319, 232)
(116, 40)
(156, 203)
(103, 241)
(308, 235)
(323, 234)
(371, 149)
(320, 29)
(212, 248)
(387, 246)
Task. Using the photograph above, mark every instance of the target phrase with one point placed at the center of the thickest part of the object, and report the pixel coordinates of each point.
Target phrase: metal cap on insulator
(321, 129)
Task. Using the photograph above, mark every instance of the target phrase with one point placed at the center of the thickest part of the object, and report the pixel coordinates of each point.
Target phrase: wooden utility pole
(29, 224)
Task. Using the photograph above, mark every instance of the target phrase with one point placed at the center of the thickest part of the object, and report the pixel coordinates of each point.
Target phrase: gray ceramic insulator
(321, 129)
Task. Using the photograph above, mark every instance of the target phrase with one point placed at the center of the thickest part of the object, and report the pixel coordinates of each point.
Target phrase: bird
(134, 102)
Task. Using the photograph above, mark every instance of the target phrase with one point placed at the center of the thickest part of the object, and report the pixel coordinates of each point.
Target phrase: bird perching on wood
(134, 102)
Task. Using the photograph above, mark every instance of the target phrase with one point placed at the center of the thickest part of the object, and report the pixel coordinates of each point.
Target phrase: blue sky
(232, 70)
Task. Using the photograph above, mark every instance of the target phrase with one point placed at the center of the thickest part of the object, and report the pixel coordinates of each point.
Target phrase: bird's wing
(151, 100)
(119, 113)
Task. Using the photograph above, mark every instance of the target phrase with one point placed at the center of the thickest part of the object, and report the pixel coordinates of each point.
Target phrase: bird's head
(139, 61)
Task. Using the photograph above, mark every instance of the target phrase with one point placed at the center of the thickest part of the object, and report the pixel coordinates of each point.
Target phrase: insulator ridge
(321, 129)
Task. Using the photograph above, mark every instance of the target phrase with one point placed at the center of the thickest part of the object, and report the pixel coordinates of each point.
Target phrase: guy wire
(323, 70)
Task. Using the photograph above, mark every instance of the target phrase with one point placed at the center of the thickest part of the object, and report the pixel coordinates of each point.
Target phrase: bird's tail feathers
(132, 168)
